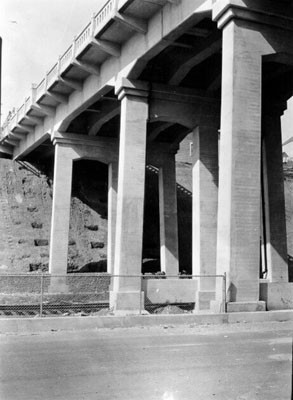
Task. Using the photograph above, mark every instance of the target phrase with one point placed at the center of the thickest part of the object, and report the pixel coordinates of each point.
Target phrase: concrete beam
(45, 110)
(57, 97)
(34, 120)
(137, 48)
(137, 24)
(99, 148)
(107, 46)
(72, 83)
(155, 132)
(25, 128)
(11, 141)
(206, 50)
(107, 112)
(6, 149)
(87, 67)
(17, 136)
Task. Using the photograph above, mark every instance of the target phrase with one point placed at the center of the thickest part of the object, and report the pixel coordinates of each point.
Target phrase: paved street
(240, 361)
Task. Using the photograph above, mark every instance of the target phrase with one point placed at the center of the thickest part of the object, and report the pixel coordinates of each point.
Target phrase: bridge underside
(223, 73)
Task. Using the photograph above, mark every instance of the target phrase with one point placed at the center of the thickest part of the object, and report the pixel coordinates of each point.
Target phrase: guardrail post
(74, 47)
(140, 305)
(59, 66)
(42, 292)
(34, 89)
(93, 26)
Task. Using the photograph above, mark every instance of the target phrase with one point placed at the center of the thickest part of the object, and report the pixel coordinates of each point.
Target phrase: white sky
(35, 32)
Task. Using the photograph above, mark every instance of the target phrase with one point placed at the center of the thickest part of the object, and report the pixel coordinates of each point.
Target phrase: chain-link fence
(28, 295)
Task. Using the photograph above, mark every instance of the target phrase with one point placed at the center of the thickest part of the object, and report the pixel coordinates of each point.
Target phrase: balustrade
(52, 75)
(80, 42)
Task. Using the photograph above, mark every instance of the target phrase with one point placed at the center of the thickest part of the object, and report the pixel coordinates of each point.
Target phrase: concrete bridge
(140, 77)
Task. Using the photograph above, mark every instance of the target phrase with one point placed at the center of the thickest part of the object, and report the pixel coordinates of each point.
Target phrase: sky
(35, 32)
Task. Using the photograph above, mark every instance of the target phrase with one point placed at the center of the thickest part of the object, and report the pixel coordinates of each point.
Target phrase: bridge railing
(51, 77)
(45, 294)
(40, 88)
(98, 22)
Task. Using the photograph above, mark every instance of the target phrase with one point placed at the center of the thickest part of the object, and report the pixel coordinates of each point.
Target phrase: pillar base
(277, 295)
(203, 300)
(58, 285)
(246, 306)
(127, 302)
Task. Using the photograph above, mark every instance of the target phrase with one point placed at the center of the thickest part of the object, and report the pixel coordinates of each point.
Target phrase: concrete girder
(87, 67)
(101, 149)
(57, 97)
(16, 136)
(72, 83)
(6, 149)
(137, 48)
(45, 110)
(11, 141)
(34, 120)
(186, 107)
(27, 129)
(199, 57)
(155, 132)
(107, 46)
(63, 125)
(137, 24)
(108, 112)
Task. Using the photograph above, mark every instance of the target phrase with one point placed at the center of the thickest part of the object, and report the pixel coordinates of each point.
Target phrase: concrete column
(275, 220)
(126, 294)
(204, 210)
(168, 216)
(60, 215)
(238, 241)
(112, 210)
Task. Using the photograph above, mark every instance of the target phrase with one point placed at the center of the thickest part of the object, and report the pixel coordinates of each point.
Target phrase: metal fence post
(224, 292)
(42, 292)
(140, 295)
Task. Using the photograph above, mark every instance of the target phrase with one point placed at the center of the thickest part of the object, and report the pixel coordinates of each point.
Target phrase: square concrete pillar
(126, 295)
(274, 201)
(112, 210)
(238, 241)
(204, 210)
(60, 214)
(168, 216)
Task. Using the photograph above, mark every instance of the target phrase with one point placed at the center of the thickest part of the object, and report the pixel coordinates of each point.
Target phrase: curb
(51, 324)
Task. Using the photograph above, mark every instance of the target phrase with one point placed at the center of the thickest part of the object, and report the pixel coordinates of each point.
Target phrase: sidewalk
(79, 323)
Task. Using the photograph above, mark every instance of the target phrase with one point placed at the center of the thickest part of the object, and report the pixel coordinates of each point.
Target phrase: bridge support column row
(238, 240)
(204, 210)
(168, 216)
(112, 211)
(274, 200)
(126, 294)
(60, 209)
(239, 180)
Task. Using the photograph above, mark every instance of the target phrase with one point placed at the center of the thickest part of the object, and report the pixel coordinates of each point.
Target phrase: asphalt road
(242, 362)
